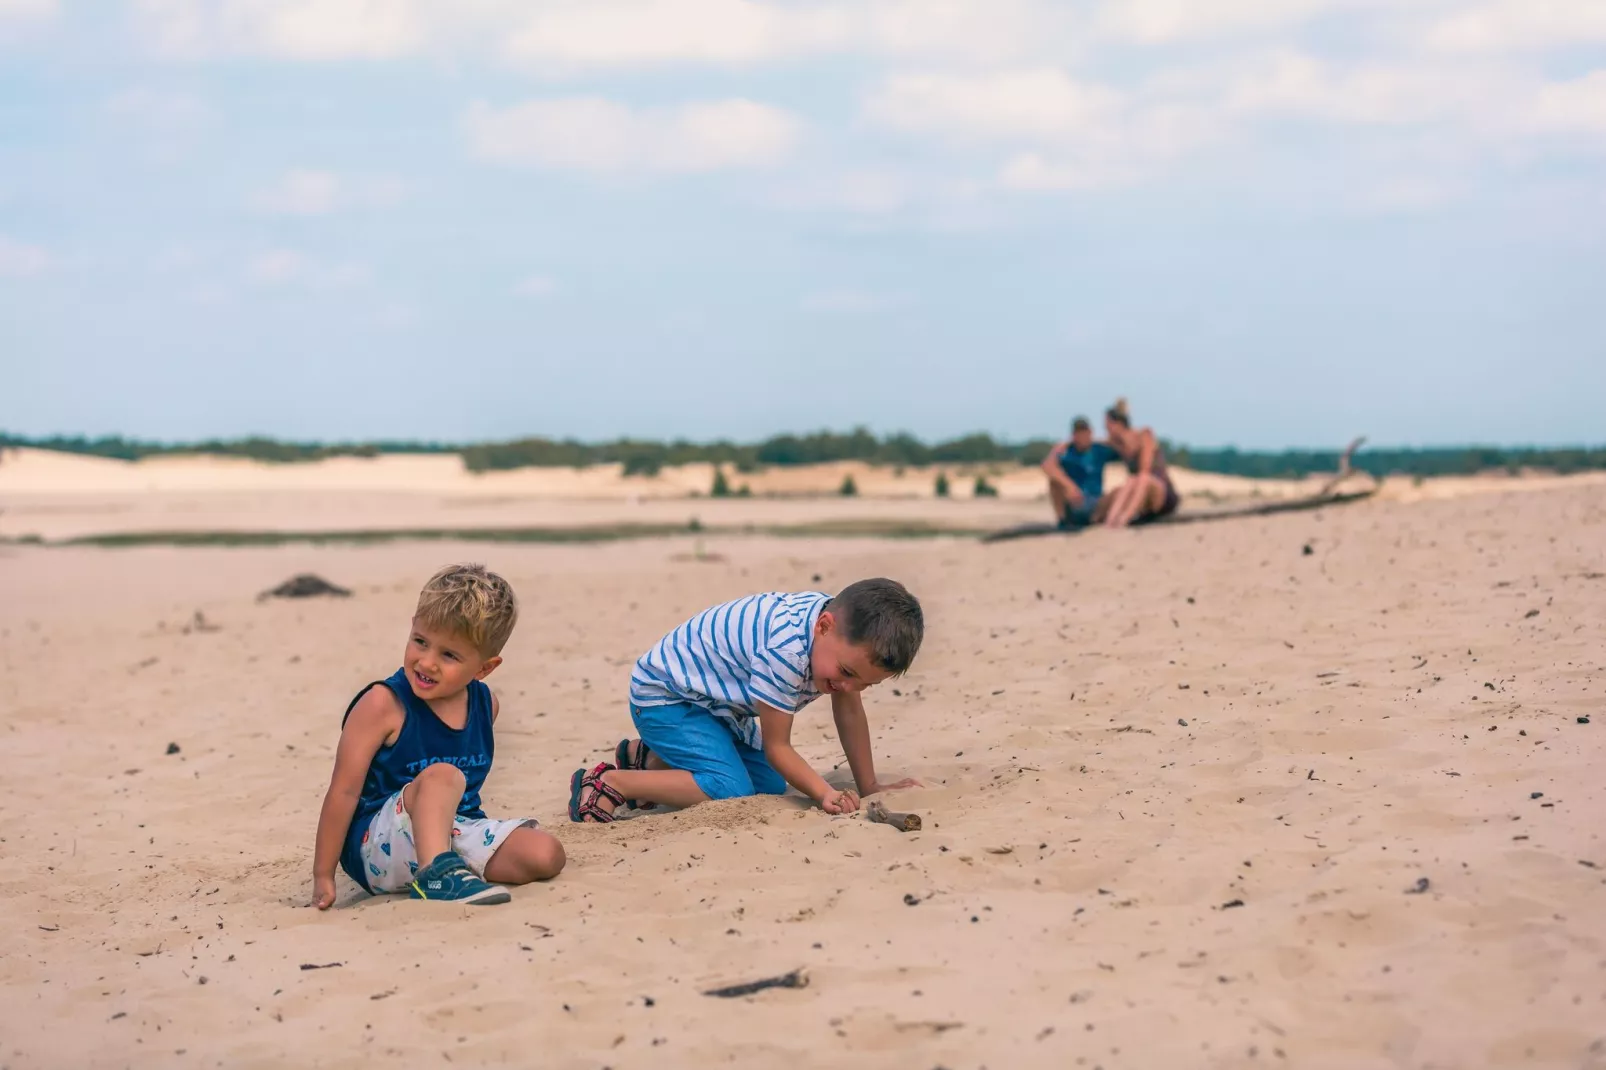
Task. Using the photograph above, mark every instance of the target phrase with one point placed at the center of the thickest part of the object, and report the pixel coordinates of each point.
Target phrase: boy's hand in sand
(897, 785)
(323, 892)
(839, 802)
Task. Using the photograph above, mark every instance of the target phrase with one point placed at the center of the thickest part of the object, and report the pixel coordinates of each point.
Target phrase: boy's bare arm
(375, 719)
(853, 729)
(777, 729)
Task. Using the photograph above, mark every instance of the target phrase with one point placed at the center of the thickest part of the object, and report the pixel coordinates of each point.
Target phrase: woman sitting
(1148, 494)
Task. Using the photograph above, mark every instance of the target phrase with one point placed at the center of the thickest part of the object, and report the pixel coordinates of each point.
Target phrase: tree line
(642, 457)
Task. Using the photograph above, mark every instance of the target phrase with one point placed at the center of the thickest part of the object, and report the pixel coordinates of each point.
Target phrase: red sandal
(584, 790)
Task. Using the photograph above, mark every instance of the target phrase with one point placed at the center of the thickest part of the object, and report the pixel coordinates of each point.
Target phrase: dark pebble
(1307, 551)
(1536, 795)
(1583, 720)
(1183, 721)
(1232, 903)
(1422, 884)
(172, 748)
(910, 900)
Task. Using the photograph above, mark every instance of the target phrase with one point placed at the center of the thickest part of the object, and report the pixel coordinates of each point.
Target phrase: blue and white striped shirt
(732, 657)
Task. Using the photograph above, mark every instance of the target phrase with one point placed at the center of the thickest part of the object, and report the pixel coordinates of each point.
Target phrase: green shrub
(849, 488)
(985, 489)
(721, 487)
(942, 485)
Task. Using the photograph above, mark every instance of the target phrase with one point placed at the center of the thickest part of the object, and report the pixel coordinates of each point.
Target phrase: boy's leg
(431, 801)
(699, 753)
(528, 854)
(699, 749)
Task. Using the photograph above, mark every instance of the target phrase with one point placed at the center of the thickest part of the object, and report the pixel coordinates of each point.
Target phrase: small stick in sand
(902, 822)
(795, 979)
(1345, 469)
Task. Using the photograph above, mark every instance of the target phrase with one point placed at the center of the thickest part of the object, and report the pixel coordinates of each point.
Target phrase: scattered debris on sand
(306, 585)
(795, 979)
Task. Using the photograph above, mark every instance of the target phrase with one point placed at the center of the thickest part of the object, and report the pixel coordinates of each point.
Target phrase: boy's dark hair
(884, 616)
(1080, 424)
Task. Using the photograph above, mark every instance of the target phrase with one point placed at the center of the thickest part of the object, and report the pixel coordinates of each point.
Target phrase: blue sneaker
(448, 879)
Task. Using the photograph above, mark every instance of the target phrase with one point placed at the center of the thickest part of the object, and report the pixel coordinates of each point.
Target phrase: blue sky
(1266, 222)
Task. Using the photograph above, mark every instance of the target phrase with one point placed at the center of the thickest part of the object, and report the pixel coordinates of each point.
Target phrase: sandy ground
(1099, 884)
(58, 496)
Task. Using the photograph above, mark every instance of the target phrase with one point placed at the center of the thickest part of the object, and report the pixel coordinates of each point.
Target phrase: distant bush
(941, 488)
(898, 451)
(849, 488)
(985, 489)
(721, 487)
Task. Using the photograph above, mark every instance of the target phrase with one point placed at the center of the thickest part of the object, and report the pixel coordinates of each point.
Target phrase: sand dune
(1401, 704)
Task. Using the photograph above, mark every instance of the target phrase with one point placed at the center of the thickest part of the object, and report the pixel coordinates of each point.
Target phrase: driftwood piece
(1344, 468)
(902, 822)
(795, 979)
(305, 585)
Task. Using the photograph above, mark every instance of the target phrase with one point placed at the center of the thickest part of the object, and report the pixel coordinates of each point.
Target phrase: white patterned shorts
(388, 857)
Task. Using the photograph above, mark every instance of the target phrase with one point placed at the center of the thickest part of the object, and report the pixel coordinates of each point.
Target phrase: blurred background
(1270, 223)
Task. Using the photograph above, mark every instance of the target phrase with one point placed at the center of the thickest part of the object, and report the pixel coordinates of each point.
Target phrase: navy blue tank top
(423, 741)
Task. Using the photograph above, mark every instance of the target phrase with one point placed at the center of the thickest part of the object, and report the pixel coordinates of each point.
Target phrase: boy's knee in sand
(528, 855)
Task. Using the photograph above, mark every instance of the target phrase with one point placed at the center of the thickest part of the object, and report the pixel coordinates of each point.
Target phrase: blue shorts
(691, 738)
(1078, 517)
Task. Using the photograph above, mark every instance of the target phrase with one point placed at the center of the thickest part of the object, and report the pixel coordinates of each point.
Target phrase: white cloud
(1504, 26)
(1166, 21)
(1071, 135)
(564, 34)
(27, 10)
(560, 36)
(1294, 84)
(638, 32)
(1576, 107)
(593, 134)
(293, 29)
(1011, 105)
(287, 268)
(301, 193)
(535, 286)
(21, 261)
(307, 193)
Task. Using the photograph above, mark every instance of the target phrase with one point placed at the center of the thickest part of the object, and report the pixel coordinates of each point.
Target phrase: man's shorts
(389, 860)
(1078, 517)
(691, 738)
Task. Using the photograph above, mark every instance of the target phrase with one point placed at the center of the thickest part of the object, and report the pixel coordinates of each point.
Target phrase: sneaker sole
(486, 899)
(489, 898)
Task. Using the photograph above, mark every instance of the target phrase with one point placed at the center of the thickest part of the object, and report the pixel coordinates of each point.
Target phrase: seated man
(1075, 470)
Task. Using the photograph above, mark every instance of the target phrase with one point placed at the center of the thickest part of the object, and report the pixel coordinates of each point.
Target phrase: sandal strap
(593, 780)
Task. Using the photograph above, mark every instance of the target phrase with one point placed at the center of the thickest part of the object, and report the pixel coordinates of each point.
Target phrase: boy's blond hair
(471, 601)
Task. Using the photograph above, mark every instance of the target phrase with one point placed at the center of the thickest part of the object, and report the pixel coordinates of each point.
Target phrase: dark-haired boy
(713, 700)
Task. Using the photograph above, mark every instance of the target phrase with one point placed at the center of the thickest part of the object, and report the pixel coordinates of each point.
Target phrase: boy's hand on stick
(839, 802)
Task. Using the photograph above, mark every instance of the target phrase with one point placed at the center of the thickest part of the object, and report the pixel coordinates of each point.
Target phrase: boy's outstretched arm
(374, 719)
(853, 729)
(777, 729)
